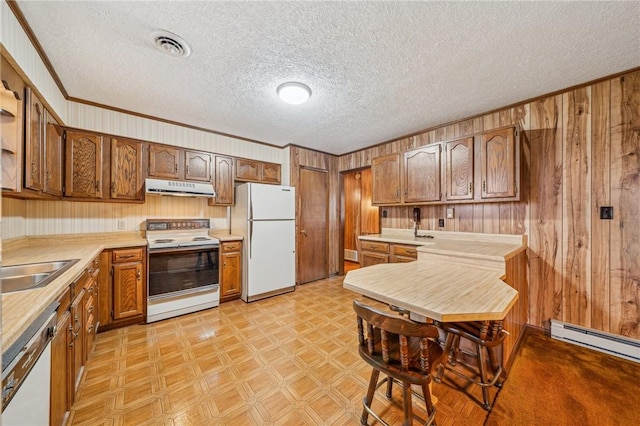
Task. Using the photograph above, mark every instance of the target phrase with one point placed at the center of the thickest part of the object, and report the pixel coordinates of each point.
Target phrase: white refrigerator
(265, 216)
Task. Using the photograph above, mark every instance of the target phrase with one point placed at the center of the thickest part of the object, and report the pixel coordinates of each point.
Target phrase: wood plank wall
(580, 151)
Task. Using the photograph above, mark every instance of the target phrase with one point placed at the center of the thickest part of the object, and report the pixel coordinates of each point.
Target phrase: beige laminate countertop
(224, 236)
(462, 283)
(458, 244)
(20, 309)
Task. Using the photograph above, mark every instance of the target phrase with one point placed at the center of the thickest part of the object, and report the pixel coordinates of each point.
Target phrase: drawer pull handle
(126, 256)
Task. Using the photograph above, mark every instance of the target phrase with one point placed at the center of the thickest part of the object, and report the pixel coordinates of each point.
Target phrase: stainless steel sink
(32, 275)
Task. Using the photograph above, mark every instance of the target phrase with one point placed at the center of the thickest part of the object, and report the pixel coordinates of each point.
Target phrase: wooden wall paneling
(490, 121)
(521, 210)
(600, 196)
(463, 215)
(463, 128)
(625, 190)
(545, 240)
(505, 219)
(491, 218)
(576, 224)
(352, 195)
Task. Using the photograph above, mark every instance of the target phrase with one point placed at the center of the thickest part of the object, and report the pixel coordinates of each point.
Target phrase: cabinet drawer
(127, 255)
(374, 246)
(78, 285)
(231, 246)
(407, 251)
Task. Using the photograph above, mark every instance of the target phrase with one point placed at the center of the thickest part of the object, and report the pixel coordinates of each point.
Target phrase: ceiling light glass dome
(294, 93)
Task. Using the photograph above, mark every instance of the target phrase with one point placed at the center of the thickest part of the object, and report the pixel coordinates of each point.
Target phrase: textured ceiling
(378, 70)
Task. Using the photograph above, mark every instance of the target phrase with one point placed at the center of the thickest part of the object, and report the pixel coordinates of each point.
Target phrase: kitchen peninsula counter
(457, 277)
(20, 309)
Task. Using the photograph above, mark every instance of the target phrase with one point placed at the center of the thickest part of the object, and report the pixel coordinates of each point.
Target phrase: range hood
(179, 188)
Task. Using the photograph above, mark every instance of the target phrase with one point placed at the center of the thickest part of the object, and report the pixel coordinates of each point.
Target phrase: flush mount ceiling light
(170, 43)
(294, 93)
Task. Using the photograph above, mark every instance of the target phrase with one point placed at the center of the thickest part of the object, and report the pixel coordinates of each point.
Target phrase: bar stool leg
(406, 403)
(369, 398)
(482, 366)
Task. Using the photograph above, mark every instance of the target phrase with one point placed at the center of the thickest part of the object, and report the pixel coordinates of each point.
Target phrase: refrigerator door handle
(250, 236)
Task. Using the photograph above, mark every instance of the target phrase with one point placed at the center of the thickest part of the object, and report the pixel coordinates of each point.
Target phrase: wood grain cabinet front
(127, 179)
(459, 169)
(373, 253)
(123, 289)
(401, 253)
(60, 396)
(83, 165)
(169, 162)
(231, 270)
(223, 181)
(257, 171)
(499, 160)
(422, 174)
(385, 183)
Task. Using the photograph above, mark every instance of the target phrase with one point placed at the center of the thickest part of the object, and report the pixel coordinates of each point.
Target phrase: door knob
(303, 232)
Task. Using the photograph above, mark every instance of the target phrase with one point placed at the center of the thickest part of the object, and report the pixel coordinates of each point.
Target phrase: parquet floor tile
(287, 360)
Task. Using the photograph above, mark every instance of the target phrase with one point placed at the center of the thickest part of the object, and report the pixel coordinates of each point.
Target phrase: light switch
(450, 212)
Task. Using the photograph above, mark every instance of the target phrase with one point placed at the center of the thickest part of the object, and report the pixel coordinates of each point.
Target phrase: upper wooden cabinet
(459, 169)
(168, 162)
(385, 173)
(197, 166)
(127, 178)
(500, 171)
(223, 181)
(164, 161)
(421, 174)
(257, 171)
(83, 171)
(53, 157)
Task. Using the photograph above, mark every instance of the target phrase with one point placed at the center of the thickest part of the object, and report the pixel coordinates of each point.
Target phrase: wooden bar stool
(404, 351)
(487, 337)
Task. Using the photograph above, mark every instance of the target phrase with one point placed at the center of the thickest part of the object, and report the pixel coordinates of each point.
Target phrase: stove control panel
(176, 224)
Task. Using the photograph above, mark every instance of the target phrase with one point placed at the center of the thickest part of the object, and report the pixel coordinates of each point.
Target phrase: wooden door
(83, 165)
(421, 175)
(386, 179)
(351, 189)
(60, 370)
(313, 226)
(459, 179)
(34, 140)
(127, 290)
(197, 166)
(223, 181)
(163, 161)
(126, 170)
(53, 158)
(498, 164)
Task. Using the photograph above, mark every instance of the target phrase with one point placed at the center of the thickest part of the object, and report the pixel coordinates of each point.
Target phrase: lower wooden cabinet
(73, 341)
(123, 286)
(231, 270)
(374, 252)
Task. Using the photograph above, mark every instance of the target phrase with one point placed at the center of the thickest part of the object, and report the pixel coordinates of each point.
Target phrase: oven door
(182, 280)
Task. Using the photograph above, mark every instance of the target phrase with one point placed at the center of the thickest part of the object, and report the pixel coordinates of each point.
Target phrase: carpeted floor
(557, 383)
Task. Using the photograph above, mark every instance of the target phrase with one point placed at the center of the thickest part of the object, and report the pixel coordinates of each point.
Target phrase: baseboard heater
(612, 344)
(351, 255)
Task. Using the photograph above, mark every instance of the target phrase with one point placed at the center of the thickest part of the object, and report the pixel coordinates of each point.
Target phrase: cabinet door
(60, 371)
(126, 170)
(163, 161)
(422, 175)
(459, 178)
(498, 158)
(386, 179)
(270, 173)
(34, 141)
(231, 275)
(83, 165)
(127, 290)
(247, 170)
(368, 259)
(53, 158)
(223, 181)
(77, 326)
(197, 166)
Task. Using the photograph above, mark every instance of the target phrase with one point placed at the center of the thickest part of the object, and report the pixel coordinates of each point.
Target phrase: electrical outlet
(384, 213)
(450, 211)
(441, 223)
(606, 212)
(121, 225)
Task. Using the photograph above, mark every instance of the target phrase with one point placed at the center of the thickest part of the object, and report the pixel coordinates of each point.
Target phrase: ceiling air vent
(171, 44)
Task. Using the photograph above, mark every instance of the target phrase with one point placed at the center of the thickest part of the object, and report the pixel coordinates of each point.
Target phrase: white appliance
(183, 268)
(265, 216)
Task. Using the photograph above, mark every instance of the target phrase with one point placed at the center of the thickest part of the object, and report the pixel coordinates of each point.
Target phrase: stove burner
(201, 239)
(163, 240)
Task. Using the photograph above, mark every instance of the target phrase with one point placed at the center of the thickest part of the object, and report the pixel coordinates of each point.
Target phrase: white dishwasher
(26, 381)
